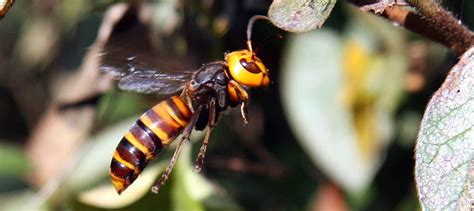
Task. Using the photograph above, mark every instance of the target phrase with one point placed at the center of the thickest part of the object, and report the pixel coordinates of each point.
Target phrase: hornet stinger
(203, 95)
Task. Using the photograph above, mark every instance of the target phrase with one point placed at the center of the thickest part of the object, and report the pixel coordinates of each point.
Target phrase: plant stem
(449, 31)
(431, 21)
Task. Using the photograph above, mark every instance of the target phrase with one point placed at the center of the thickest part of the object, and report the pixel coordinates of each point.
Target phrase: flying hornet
(199, 97)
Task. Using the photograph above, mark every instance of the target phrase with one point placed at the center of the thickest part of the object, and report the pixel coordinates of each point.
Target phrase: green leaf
(339, 94)
(445, 147)
(95, 159)
(105, 196)
(191, 191)
(181, 197)
(185, 189)
(13, 161)
(20, 200)
(300, 15)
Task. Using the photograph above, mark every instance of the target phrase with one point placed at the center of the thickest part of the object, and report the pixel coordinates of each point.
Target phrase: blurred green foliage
(268, 165)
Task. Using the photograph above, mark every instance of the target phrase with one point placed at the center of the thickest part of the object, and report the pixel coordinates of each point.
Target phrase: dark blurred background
(61, 118)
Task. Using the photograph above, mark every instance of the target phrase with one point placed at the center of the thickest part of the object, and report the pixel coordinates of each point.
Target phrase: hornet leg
(186, 133)
(243, 97)
(203, 149)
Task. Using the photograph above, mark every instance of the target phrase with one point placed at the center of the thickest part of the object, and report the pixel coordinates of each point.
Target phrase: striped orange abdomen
(153, 131)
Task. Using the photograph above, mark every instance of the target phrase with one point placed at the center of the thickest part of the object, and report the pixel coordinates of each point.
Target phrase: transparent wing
(130, 55)
(141, 74)
(152, 81)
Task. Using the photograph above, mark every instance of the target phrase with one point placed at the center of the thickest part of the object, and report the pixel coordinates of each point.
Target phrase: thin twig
(431, 21)
(449, 31)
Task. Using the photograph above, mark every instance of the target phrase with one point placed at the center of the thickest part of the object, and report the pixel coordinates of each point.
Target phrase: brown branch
(411, 21)
(432, 21)
(449, 30)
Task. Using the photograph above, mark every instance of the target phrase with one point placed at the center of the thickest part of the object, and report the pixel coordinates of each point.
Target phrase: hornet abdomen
(150, 134)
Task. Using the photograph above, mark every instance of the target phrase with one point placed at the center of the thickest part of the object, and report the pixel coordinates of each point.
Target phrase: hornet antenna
(249, 29)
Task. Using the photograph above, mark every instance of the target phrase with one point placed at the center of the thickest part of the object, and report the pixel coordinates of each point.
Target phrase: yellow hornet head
(247, 69)
(244, 66)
